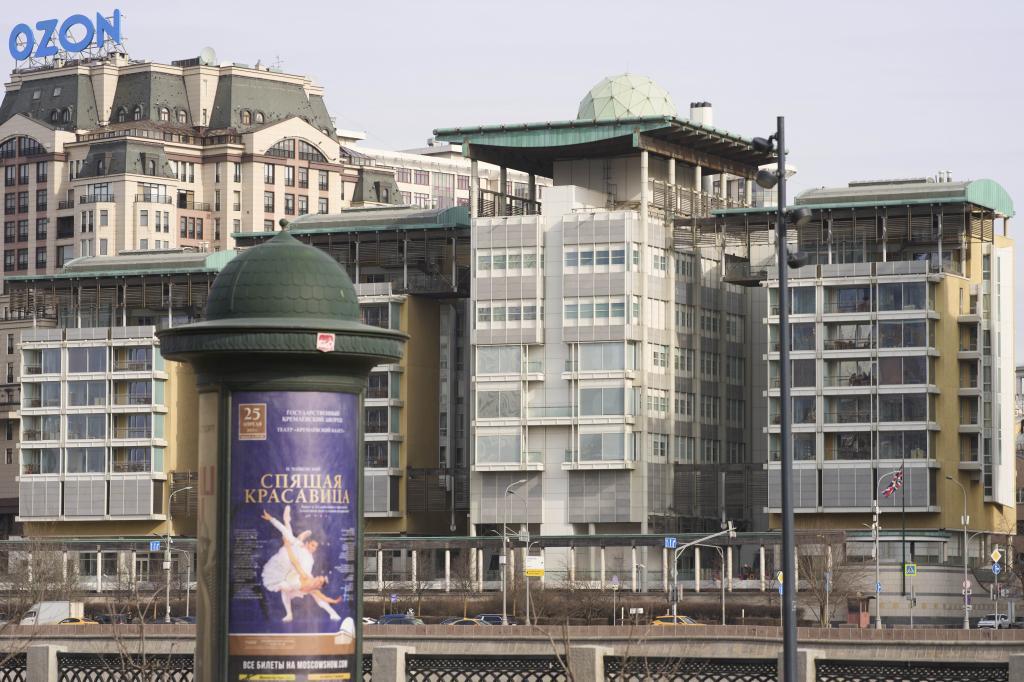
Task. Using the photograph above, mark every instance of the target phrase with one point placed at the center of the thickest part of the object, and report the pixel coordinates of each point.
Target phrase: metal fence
(905, 671)
(12, 669)
(442, 668)
(118, 668)
(367, 667)
(620, 669)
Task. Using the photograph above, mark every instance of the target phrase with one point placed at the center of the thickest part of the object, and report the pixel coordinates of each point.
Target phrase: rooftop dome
(625, 96)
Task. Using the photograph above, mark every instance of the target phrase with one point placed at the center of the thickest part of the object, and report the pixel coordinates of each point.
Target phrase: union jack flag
(895, 484)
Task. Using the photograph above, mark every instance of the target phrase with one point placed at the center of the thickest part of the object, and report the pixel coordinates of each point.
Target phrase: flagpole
(903, 518)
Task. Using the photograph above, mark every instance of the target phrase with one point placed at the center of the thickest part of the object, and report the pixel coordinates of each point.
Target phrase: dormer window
(152, 167)
(57, 91)
(66, 116)
(165, 114)
(36, 94)
(259, 117)
(137, 113)
(246, 117)
(54, 116)
(182, 116)
(101, 166)
(122, 115)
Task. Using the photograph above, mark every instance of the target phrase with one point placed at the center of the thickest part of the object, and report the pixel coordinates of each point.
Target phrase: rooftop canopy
(620, 115)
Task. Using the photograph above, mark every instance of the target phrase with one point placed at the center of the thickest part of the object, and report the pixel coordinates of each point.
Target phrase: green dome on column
(280, 298)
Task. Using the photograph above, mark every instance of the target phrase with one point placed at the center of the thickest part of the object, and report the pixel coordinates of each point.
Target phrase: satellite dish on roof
(207, 57)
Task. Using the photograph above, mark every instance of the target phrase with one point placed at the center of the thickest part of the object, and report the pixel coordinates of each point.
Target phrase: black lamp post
(799, 217)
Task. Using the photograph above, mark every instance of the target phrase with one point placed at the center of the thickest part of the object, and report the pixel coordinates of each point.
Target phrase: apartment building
(902, 357)
(609, 357)
(107, 154)
(107, 427)
(410, 267)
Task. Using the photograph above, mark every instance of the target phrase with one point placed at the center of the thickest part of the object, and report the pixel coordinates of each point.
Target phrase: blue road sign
(878, 588)
(671, 543)
(780, 588)
(394, 598)
(997, 569)
(154, 545)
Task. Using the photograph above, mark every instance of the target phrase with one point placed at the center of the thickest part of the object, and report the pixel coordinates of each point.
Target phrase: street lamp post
(964, 520)
(504, 554)
(799, 217)
(167, 553)
(188, 576)
(730, 531)
(721, 558)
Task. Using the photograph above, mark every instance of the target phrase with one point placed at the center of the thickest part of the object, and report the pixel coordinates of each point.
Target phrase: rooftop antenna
(277, 62)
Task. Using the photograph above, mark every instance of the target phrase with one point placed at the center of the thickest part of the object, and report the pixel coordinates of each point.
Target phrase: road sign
(154, 545)
(615, 582)
(910, 569)
(996, 555)
(780, 588)
(878, 587)
(636, 611)
(394, 599)
(997, 568)
(828, 581)
(671, 543)
(534, 566)
(778, 576)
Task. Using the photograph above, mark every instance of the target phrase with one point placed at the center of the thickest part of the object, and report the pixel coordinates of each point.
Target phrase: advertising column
(292, 535)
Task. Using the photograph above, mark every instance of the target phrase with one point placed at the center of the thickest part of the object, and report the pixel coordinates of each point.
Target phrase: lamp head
(766, 178)
(762, 144)
(796, 259)
(799, 216)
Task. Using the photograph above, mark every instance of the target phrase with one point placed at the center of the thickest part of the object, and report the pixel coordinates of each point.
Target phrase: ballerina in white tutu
(289, 571)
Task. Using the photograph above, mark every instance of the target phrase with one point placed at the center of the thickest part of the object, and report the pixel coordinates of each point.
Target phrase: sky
(901, 88)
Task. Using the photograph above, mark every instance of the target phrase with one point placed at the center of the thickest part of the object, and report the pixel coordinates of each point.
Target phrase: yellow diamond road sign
(779, 576)
(996, 555)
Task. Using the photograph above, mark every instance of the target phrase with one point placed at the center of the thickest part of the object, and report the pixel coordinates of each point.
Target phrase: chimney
(949, 176)
(701, 113)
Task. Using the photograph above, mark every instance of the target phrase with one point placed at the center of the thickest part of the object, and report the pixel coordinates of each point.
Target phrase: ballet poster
(294, 516)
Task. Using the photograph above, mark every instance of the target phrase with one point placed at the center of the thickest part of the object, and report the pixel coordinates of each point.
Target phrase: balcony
(68, 203)
(194, 205)
(303, 184)
(852, 379)
(128, 432)
(36, 434)
(549, 411)
(96, 198)
(849, 344)
(849, 417)
(490, 204)
(133, 365)
(836, 307)
(129, 466)
(377, 393)
(132, 399)
(153, 199)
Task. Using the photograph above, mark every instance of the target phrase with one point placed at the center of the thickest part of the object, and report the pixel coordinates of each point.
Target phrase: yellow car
(77, 621)
(674, 620)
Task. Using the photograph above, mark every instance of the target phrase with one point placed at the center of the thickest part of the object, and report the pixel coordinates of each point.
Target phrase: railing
(69, 203)
(88, 667)
(132, 365)
(849, 417)
(638, 669)
(491, 204)
(36, 434)
(132, 399)
(854, 379)
(303, 184)
(95, 198)
(807, 418)
(133, 432)
(130, 467)
(236, 207)
(682, 200)
(41, 205)
(970, 347)
(311, 156)
(837, 307)
(547, 411)
(281, 153)
(153, 199)
(834, 454)
(194, 205)
(377, 393)
(849, 344)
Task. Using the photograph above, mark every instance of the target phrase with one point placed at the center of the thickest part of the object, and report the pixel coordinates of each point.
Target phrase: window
(903, 370)
(268, 202)
(182, 116)
(498, 404)
(165, 114)
(498, 449)
(40, 257)
(323, 178)
(103, 247)
(246, 117)
(259, 117)
(85, 359)
(403, 175)
(42, 171)
(137, 113)
(237, 175)
(103, 218)
(659, 355)
(268, 173)
(86, 460)
(42, 225)
(498, 359)
(289, 204)
(322, 205)
(602, 401)
(303, 205)
(603, 447)
(902, 296)
(421, 177)
(87, 426)
(289, 176)
(122, 115)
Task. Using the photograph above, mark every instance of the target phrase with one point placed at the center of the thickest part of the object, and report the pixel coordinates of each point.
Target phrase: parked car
(77, 621)
(463, 621)
(400, 619)
(674, 620)
(390, 618)
(369, 621)
(184, 620)
(111, 618)
(1018, 624)
(494, 619)
(993, 621)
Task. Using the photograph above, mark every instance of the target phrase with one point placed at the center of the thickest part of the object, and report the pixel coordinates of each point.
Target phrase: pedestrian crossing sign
(909, 569)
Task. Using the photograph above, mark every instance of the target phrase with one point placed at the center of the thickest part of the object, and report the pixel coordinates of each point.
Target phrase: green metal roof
(533, 147)
(985, 193)
(133, 265)
(376, 219)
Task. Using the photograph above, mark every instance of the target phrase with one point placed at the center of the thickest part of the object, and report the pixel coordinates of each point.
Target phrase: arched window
(246, 117)
(122, 115)
(66, 115)
(54, 116)
(152, 167)
(259, 117)
(137, 113)
(165, 114)
(182, 116)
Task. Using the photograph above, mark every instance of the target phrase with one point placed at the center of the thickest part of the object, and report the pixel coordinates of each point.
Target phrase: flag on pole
(895, 484)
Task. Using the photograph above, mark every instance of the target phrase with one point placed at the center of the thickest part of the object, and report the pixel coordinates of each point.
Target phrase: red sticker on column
(325, 342)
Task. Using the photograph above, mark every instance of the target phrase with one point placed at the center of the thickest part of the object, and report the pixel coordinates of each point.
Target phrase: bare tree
(826, 575)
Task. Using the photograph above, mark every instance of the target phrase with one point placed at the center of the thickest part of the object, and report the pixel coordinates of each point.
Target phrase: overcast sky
(869, 89)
